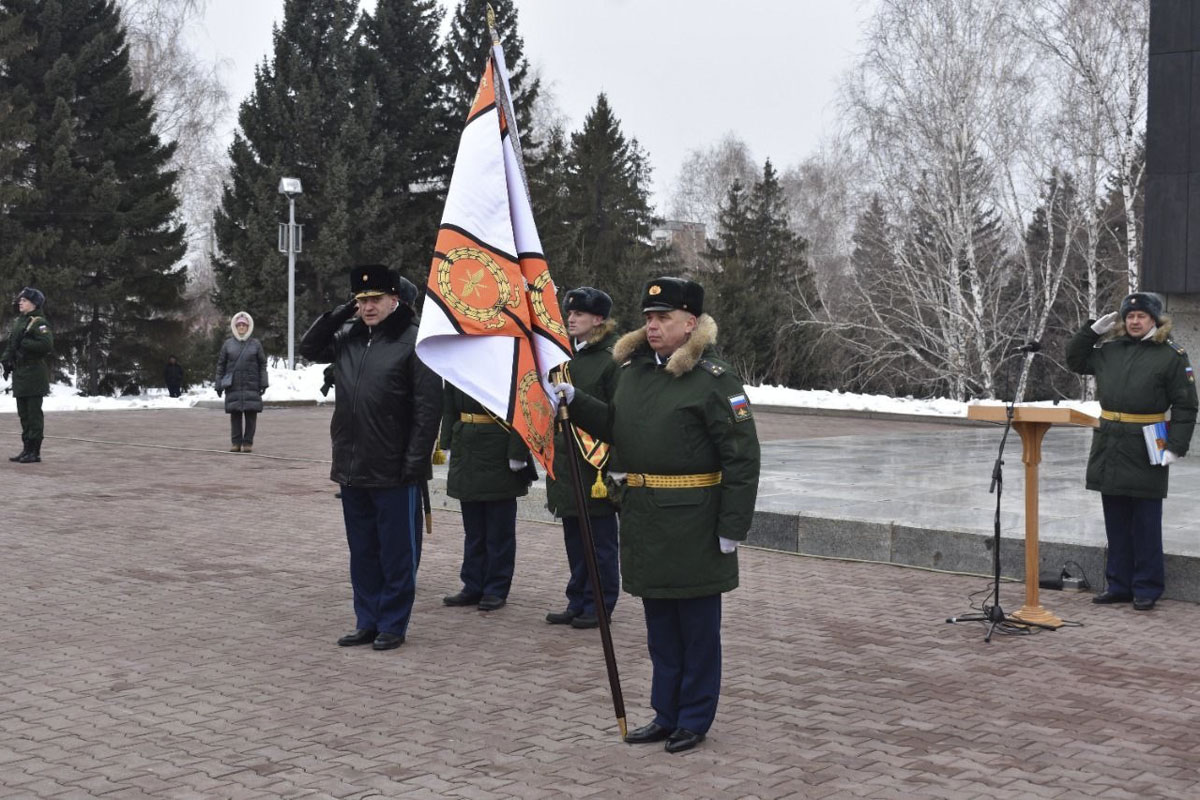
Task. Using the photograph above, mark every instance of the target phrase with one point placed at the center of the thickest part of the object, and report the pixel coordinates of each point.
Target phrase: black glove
(219, 391)
(7, 368)
(344, 312)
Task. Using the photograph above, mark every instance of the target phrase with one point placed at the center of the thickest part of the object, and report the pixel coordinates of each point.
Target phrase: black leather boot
(34, 454)
(22, 454)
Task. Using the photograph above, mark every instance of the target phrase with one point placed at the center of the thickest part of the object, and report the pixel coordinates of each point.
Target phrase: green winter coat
(479, 453)
(688, 417)
(592, 370)
(30, 341)
(1134, 376)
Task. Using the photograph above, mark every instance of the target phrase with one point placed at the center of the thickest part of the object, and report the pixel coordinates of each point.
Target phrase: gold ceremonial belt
(477, 419)
(1145, 419)
(673, 481)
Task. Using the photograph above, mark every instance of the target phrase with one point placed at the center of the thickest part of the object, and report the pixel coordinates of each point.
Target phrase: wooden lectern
(1031, 423)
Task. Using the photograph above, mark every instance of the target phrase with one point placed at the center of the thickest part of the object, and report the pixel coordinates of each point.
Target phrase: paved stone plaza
(170, 610)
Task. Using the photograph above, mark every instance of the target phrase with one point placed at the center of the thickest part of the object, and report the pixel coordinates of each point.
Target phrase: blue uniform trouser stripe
(1133, 526)
(384, 533)
(684, 639)
(579, 588)
(489, 546)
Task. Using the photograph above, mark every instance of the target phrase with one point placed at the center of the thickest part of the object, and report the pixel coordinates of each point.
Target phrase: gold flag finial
(491, 21)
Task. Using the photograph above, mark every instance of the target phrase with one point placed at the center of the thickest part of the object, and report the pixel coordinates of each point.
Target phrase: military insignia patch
(41, 328)
(1191, 375)
(739, 404)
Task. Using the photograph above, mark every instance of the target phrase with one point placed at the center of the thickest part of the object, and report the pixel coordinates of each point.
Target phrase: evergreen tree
(763, 273)
(95, 227)
(401, 69)
(607, 213)
(548, 196)
(467, 47)
(301, 121)
(16, 132)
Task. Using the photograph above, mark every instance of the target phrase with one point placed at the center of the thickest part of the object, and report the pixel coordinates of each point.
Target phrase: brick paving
(170, 610)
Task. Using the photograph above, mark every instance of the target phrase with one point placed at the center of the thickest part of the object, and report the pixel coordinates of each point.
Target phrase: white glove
(1106, 323)
(565, 389)
(1169, 458)
(727, 545)
(515, 465)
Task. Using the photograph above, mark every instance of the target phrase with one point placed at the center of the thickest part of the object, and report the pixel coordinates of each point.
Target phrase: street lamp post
(291, 242)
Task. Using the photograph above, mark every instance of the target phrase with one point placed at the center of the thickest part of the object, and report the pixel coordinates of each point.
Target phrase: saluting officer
(489, 469)
(590, 370)
(384, 424)
(1140, 375)
(30, 341)
(681, 425)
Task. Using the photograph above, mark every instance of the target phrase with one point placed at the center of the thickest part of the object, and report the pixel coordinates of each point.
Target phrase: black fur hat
(1152, 304)
(588, 300)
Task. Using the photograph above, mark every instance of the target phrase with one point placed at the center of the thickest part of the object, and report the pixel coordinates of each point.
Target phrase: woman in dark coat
(242, 377)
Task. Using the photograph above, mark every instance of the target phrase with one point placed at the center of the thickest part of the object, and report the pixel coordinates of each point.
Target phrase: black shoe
(30, 457)
(490, 602)
(1108, 598)
(683, 739)
(24, 452)
(561, 617)
(461, 599)
(387, 641)
(1144, 604)
(585, 621)
(357, 636)
(647, 734)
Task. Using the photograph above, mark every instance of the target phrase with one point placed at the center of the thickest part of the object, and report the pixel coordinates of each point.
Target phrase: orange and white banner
(491, 324)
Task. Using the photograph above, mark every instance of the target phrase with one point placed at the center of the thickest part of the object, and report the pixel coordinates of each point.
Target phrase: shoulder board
(1176, 346)
(626, 363)
(714, 369)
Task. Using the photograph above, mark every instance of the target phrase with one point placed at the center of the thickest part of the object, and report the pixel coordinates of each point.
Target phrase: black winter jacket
(388, 403)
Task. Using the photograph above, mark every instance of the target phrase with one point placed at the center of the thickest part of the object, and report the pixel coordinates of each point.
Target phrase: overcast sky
(678, 75)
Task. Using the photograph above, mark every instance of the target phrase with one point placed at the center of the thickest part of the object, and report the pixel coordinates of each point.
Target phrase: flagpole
(589, 554)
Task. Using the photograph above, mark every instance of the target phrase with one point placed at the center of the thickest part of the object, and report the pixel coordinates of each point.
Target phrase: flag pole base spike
(621, 725)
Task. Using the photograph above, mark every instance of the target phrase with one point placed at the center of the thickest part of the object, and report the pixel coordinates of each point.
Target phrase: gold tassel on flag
(439, 457)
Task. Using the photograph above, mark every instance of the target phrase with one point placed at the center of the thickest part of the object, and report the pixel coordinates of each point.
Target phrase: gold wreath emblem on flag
(537, 299)
(506, 293)
(536, 411)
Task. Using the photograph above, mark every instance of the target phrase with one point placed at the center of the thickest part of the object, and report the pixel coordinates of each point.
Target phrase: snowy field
(304, 384)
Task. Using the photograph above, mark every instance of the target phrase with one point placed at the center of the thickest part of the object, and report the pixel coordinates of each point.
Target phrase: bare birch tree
(705, 178)
(937, 82)
(190, 103)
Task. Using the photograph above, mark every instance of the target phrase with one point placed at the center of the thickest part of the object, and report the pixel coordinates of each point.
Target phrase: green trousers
(29, 409)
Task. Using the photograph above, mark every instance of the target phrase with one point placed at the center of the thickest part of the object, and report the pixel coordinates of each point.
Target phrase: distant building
(688, 243)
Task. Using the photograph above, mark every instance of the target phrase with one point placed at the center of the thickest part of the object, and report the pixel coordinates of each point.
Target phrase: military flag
(491, 323)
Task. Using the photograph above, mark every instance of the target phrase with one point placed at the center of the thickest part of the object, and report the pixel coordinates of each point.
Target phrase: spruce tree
(302, 121)
(607, 213)
(401, 85)
(96, 229)
(467, 46)
(763, 271)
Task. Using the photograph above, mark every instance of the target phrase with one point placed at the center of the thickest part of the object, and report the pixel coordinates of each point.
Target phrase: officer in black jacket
(385, 421)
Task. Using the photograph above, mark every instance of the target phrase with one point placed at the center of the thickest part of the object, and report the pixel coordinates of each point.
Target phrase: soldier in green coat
(1140, 375)
(683, 433)
(490, 468)
(591, 370)
(25, 355)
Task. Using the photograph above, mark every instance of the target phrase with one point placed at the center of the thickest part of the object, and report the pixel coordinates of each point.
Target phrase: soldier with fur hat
(25, 357)
(683, 435)
(592, 370)
(1141, 377)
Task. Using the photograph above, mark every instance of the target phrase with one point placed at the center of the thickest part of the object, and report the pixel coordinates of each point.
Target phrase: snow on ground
(304, 384)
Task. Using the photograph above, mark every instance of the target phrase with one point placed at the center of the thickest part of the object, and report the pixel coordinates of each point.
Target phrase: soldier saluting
(1140, 375)
(591, 370)
(682, 430)
(25, 358)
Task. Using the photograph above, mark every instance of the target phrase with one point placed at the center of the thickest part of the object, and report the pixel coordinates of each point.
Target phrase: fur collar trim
(233, 321)
(601, 332)
(1160, 336)
(685, 359)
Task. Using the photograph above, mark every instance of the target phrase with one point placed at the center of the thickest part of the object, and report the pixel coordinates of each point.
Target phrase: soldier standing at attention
(681, 426)
(25, 358)
(489, 469)
(1140, 375)
(591, 370)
